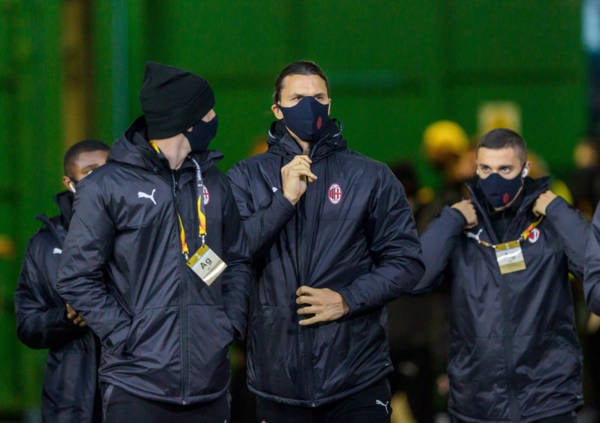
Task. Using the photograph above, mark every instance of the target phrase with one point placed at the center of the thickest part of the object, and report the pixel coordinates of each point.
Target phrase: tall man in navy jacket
(333, 240)
(160, 220)
(70, 393)
(506, 253)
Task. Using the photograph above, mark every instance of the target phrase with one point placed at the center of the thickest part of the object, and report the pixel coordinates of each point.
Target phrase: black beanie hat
(173, 100)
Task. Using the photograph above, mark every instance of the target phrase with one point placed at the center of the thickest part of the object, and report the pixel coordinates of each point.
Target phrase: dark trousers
(371, 405)
(122, 407)
(561, 418)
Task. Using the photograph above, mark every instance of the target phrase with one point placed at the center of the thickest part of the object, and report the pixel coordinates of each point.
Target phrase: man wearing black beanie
(160, 220)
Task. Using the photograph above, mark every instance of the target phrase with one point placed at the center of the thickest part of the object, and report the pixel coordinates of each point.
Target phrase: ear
(276, 111)
(66, 181)
(525, 171)
(329, 108)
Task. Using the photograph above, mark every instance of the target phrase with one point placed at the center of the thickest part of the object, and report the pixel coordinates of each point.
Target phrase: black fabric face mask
(201, 135)
(307, 119)
(500, 191)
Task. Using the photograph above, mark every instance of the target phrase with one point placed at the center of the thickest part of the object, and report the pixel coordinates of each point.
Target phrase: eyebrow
(304, 95)
(497, 167)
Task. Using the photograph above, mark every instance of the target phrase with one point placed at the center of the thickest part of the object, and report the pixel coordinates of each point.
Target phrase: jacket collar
(532, 188)
(64, 200)
(281, 142)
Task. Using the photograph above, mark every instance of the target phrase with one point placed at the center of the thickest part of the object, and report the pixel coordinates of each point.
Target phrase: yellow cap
(444, 138)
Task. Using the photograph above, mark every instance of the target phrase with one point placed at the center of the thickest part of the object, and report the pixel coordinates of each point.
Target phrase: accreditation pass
(206, 264)
(510, 257)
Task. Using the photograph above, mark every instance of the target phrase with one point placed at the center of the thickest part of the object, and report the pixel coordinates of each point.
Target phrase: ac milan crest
(534, 235)
(334, 194)
(205, 195)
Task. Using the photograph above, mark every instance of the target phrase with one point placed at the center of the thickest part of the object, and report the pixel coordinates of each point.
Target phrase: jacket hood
(281, 142)
(132, 148)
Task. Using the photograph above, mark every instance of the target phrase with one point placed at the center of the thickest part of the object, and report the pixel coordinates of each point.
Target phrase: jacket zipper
(183, 311)
(303, 251)
(507, 337)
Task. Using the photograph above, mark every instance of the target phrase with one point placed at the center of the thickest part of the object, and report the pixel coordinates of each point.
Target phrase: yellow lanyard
(523, 236)
(201, 216)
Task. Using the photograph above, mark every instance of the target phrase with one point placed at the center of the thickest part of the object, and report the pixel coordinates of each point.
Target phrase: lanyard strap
(199, 204)
(530, 228)
(523, 237)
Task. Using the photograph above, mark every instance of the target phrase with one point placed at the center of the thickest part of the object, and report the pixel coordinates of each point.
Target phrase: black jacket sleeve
(438, 242)
(572, 229)
(238, 276)
(81, 282)
(262, 225)
(394, 246)
(40, 322)
(591, 282)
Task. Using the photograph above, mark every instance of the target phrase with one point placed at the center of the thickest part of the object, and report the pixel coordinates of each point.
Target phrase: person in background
(447, 149)
(70, 392)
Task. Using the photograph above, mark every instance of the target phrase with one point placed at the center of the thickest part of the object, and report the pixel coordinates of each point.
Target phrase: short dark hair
(499, 138)
(81, 147)
(302, 67)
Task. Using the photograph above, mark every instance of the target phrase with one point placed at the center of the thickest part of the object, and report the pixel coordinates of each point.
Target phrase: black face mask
(201, 135)
(307, 119)
(500, 191)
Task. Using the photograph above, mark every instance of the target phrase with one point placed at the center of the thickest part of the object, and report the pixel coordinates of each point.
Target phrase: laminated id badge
(206, 264)
(510, 257)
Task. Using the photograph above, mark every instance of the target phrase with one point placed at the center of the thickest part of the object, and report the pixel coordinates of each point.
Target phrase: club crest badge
(534, 235)
(205, 195)
(334, 194)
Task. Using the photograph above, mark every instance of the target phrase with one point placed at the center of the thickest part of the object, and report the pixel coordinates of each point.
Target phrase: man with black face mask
(333, 240)
(506, 253)
(160, 220)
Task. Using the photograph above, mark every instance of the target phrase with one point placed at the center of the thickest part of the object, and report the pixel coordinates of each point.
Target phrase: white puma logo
(384, 405)
(56, 251)
(148, 196)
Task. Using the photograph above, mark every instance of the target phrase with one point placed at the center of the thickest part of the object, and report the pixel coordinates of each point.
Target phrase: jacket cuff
(285, 204)
(349, 299)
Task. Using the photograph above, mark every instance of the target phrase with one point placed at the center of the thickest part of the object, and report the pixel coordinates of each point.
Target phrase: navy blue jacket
(514, 355)
(165, 333)
(70, 389)
(353, 232)
(592, 265)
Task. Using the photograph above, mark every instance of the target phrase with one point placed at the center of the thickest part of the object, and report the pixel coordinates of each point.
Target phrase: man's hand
(324, 304)
(466, 208)
(295, 177)
(545, 198)
(74, 317)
